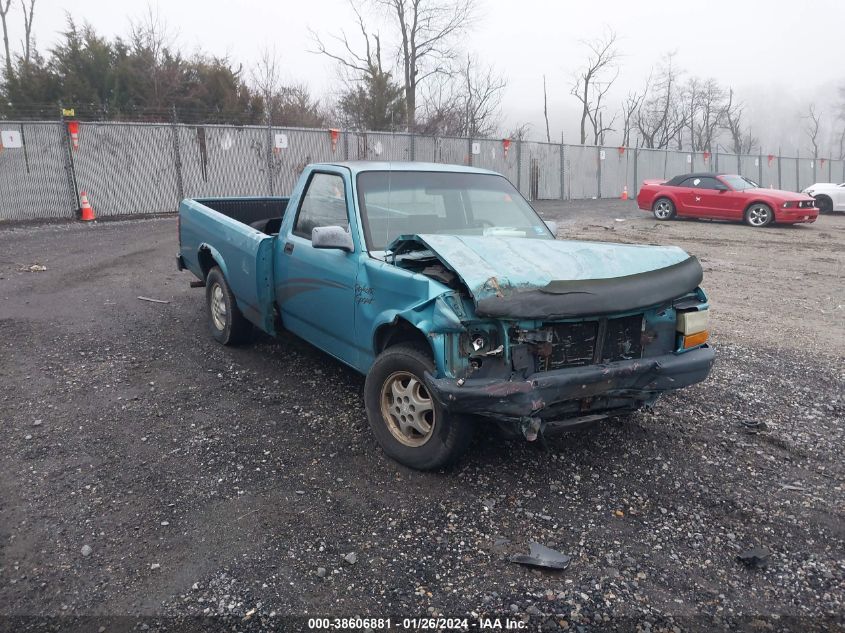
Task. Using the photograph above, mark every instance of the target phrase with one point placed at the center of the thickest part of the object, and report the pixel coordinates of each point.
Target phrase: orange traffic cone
(625, 192)
(87, 211)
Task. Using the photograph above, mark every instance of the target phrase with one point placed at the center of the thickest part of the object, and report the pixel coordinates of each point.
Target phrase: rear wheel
(408, 423)
(824, 204)
(663, 209)
(759, 214)
(225, 321)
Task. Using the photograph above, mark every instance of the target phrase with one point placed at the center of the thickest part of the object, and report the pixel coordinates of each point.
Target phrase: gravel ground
(150, 473)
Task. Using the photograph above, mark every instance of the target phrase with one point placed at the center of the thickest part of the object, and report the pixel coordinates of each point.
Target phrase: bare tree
(4, 12)
(519, 132)
(151, 38)
(266, 78)
(660, 119)
(482, 90)
(366, 63)
(630, 107)
(743, 142)
(706, 113)
(546, 111)
(812, 129)
(427, 32)
(594, 80)
(27, 25)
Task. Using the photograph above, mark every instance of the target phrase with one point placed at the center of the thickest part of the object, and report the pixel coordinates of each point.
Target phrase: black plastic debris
(754, 557)
(753, 426)
(542, 556)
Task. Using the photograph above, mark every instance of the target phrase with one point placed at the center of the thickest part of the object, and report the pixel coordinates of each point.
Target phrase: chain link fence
(139, 168)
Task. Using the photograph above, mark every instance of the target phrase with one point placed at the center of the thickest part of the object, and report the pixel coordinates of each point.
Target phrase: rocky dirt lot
(149, 475)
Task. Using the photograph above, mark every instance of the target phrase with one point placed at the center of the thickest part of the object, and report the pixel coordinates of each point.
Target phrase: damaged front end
(555, 353)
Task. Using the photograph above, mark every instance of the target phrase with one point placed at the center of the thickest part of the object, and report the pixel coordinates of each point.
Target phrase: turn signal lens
(694, 340)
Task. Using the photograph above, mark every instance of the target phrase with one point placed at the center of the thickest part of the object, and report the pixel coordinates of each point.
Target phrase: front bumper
(576, 390)
(796, 216)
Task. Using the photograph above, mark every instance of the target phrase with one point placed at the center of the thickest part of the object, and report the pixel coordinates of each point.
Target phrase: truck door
(315, 287)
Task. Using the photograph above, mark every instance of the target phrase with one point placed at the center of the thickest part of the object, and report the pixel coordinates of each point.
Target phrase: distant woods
(401, 65)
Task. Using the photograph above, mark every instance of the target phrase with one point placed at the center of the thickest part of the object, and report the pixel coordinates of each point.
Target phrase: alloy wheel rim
(407, 409)
(758, 215)
(662, 210)
(218, 307)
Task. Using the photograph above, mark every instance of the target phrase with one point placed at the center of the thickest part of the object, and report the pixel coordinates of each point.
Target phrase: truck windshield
(395, 203)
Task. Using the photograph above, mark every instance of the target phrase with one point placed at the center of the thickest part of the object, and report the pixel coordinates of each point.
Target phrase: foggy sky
(778, 55)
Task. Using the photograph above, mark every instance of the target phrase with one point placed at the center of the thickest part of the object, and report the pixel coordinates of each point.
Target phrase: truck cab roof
(359, 166)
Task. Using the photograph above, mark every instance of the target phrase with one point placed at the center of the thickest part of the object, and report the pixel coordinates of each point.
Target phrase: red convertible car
(724, 197)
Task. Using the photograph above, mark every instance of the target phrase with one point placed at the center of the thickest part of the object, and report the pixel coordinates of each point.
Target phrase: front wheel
(758, 215)
(663, 209)
(824, 204)
(408, 423)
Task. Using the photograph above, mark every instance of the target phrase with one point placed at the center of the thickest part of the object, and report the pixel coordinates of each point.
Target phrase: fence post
(413, 147)
(780, 178)
(269, 155)
(636, 188)
(562, 172)
(519, 166)
(798, 170)
(598, 171)
(70, 169)
(177, 158)
(760, 170)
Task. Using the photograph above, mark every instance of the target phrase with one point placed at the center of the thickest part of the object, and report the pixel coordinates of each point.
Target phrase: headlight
(692, 321)
(692, 325)
(786, 205)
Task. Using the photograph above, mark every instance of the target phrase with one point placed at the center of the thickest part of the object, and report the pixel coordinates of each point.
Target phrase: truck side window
(324, 204)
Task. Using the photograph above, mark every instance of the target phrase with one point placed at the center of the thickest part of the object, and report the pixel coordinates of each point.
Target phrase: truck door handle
(288, 248)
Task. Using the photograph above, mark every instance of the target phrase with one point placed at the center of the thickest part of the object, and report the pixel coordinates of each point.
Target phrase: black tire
(664, 209)
(753, 215)
(449, 435)
(228, 326)
(824, 204)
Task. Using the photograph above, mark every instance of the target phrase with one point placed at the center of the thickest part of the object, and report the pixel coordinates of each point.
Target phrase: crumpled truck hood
(531, 278)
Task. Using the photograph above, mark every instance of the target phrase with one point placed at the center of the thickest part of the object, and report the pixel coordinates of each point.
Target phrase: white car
(829, 196)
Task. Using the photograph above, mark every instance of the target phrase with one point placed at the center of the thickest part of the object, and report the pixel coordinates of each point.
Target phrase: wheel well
(825, 196)
(768, 204)
(206, 261)
(398, 331)
(662, 196)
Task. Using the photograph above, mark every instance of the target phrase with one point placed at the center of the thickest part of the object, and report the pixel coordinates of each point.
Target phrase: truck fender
(430, 319)
(215, 255)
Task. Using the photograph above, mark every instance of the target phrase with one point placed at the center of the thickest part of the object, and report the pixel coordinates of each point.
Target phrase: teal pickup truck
(444, 287)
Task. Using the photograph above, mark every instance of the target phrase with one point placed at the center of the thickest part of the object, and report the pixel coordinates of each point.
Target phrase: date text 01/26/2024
(415, 624)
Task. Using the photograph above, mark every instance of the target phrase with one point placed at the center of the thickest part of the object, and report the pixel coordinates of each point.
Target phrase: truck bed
(237, 235)
(264, 214)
